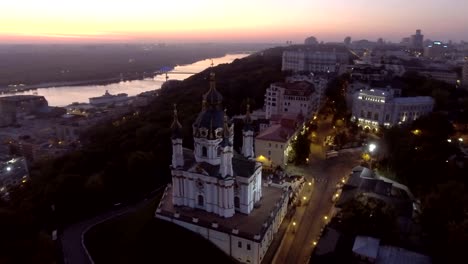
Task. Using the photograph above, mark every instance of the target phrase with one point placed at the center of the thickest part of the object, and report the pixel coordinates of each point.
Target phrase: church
(217, 192)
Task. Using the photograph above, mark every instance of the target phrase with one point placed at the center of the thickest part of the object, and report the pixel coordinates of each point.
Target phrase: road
(73, 248)
(310, 219)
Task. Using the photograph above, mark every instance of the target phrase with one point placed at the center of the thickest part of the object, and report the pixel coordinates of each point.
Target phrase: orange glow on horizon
(243, 20)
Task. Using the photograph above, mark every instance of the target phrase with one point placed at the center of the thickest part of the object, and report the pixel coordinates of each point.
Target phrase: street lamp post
(372, 148)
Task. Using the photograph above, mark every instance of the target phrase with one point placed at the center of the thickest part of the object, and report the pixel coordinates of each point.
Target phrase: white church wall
(221, 240)
(244, 250)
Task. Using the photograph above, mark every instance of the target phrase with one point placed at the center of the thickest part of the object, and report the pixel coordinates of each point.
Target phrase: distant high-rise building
(311, 41)
(416, 40)
(465, 74)
(436, 50)
(347, 41)
(380, 41)
(405, 41)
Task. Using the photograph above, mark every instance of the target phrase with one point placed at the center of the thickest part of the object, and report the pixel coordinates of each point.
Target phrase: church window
(219, 133)
(204, 152)
(200, 185)
(237, 202)
(239, 244)
(203, 132)
(200, 200)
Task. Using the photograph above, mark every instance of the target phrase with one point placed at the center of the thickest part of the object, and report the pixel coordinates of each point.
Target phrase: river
(65, 95)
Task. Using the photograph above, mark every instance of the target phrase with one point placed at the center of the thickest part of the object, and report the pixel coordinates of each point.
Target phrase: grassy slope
(140, 238)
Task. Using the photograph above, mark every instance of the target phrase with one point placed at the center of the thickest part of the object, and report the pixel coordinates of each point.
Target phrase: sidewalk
(297, 215)
(275, 244)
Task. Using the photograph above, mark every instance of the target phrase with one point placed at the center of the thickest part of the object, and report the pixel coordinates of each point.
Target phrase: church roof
(210, 119)
(278, 133)
(241, 166)
(176, 127)
(213, 97)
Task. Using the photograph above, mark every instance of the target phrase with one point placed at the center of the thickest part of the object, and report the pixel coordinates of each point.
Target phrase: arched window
(237, 202)
(200, 200)
(204, 152)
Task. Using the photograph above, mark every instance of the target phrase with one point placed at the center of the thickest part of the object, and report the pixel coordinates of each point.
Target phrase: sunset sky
(229, 20)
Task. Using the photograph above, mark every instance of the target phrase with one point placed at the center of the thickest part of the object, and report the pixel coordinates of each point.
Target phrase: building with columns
(374, 108)
(219, 193)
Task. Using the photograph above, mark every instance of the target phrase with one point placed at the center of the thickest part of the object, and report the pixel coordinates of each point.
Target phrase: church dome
(210, 122)
(212, 97)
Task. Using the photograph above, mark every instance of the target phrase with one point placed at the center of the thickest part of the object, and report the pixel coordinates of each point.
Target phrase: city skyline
(222, 21)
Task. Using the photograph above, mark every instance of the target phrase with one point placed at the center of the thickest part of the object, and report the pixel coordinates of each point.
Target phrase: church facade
(217, 192)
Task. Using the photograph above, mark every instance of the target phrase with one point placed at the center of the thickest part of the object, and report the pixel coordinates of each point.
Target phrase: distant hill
(54, 64)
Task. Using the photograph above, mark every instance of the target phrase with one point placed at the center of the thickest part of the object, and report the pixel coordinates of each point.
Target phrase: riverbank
(24, 67)
(65, 93)
(12, 89)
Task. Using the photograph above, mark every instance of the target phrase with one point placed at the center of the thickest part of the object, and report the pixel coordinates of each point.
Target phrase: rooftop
(277, 132)
(395, 255)
(364, 181)
(414, 99)
(241, 166)
(248, 226)
(366, 246)
(298, 88)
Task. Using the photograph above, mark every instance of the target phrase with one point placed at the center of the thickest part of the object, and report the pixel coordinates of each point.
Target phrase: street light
(294, 223)
(310, 184)
(325, 218)
(372, 147)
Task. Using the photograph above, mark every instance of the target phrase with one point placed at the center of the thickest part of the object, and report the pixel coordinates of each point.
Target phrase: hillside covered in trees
(121, 160)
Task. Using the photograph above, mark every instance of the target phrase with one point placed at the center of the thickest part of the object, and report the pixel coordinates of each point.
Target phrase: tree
(368, 216)
(444, 219)
(301, 148)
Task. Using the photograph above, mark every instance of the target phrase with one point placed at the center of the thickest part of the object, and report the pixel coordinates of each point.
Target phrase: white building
(378, 107)
(218, 193)
(447, 76)
(309, 61)
(437, 50)
(273, 144)
(295, 96)
(108, 99)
